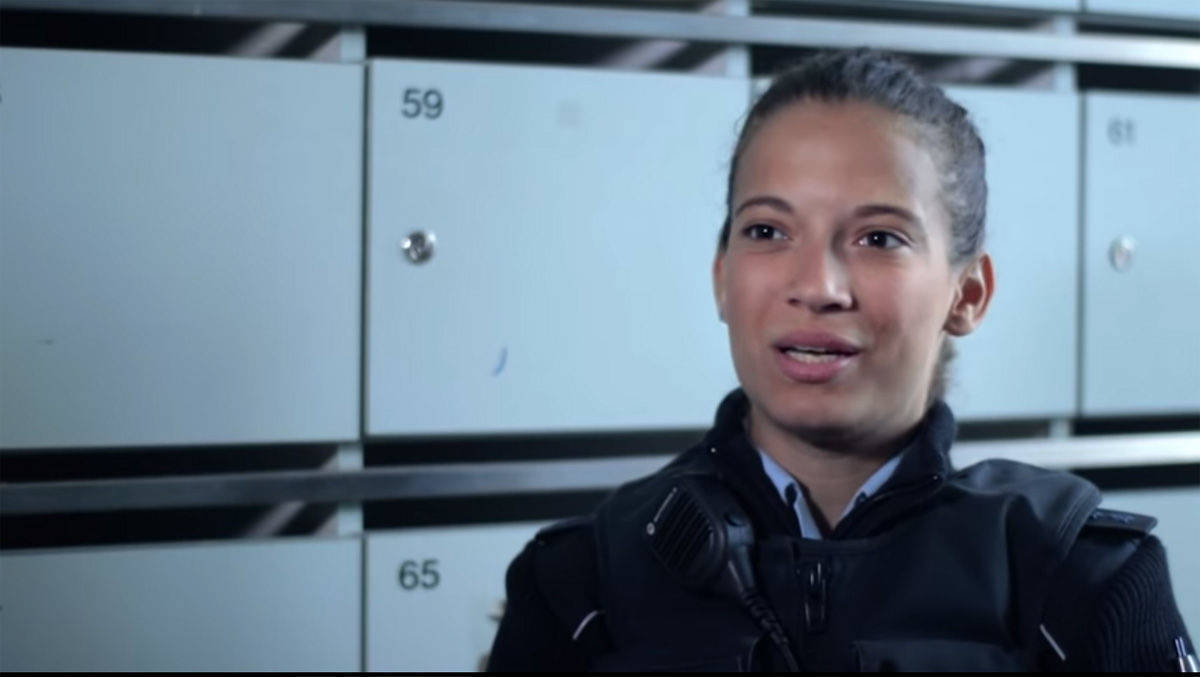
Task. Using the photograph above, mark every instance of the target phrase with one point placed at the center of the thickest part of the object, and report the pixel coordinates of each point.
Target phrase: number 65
(428, 576)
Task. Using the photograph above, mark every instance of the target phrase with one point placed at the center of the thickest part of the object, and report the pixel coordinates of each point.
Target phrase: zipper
(815, 575)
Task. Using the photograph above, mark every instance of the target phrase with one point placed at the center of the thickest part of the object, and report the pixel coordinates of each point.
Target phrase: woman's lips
(810, 368)
(817, 340)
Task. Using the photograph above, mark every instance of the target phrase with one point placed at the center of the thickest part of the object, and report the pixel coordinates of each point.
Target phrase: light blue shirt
(792, 494)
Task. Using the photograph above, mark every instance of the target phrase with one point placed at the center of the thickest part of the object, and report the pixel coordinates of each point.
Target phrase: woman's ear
(975, 286)
(719, 284)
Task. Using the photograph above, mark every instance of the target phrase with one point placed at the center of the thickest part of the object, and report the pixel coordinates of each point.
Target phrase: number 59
(418, 101)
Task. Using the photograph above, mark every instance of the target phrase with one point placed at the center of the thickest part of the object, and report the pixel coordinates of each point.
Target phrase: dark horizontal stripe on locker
(479, 509)
(162, 526)
(142, 33)
(1143, 477)
(182, 35)
(520, 447)
(485, 479)
(1135, 424)
(310, 486)
(675, 25)
(175, 525)
(50, 465)
(1032, 428)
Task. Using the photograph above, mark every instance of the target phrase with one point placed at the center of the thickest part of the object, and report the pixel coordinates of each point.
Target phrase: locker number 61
(423, 574)
(418, 102)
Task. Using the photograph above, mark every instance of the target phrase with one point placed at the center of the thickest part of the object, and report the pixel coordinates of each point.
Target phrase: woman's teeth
(811, 357)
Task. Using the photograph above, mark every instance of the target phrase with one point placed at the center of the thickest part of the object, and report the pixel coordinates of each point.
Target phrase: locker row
(206, 250)
(419, 599)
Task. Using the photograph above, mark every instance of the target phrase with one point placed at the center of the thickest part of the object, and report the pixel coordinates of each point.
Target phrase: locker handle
(1120, 253)
(418, 246)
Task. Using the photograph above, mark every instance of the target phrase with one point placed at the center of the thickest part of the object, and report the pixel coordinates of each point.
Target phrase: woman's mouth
(814, 364)
(812, 355)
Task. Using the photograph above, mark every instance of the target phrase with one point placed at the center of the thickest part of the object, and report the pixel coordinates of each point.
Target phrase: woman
(819, 525)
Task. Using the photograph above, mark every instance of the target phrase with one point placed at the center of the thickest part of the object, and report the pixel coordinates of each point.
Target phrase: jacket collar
(924, 463)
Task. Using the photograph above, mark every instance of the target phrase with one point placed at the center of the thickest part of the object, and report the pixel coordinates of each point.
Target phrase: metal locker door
(285, 604)
(1141, 341)
(434, 595)
(181, 249)
(1021, 361)
(540, 247)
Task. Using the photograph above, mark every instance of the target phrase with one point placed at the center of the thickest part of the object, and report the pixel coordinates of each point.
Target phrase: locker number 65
(418, 102)
(423, 574)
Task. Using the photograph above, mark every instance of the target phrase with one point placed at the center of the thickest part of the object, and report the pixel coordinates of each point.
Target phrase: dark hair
(868, 76)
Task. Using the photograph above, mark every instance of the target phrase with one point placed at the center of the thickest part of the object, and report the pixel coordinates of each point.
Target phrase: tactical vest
(958, 583)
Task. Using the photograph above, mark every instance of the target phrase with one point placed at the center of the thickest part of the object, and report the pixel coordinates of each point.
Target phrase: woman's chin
(817, 416)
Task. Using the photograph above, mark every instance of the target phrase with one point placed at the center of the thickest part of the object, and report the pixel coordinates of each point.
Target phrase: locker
(1181, 9)
(1176, 510)
(1021, 361)
(434, 596)
(181, 249)
(540, 243)
(1142, 209)
(285, 605)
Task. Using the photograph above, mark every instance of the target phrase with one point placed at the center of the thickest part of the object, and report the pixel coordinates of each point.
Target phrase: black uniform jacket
(999, 566)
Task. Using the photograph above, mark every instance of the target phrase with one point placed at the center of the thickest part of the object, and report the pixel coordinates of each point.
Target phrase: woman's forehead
(845, 148)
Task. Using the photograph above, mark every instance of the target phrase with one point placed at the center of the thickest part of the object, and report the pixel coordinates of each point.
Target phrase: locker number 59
(418, 102)
(423, 574)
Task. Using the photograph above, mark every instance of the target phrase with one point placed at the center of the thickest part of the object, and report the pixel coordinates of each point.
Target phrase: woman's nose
(819, 281)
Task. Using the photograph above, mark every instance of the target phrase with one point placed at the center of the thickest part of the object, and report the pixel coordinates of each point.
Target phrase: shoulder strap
(1106, 541)
(1120, 521)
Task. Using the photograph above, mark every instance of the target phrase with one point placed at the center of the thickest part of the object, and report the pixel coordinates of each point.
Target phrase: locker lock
(418, 246)
(1120, 254)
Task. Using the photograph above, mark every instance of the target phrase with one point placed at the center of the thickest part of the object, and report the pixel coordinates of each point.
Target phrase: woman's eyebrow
(869, 210)
(765, 200)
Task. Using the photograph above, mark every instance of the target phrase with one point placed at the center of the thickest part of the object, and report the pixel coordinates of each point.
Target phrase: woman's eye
(881, 239)
(761, 231)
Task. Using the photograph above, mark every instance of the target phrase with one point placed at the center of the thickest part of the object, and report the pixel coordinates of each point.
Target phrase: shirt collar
(790, 491)
(925, 456)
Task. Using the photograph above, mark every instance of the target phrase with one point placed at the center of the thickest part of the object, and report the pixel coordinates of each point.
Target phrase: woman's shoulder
(1029, 503)
(1001, 474)
(1111, 606)
(1048, 489)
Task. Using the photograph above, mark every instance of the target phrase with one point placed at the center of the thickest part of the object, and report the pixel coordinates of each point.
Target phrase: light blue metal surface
(287, 604)
(1021, 361)
(434, 595)
(1186, 9)
(180, 257)
(575, 215)
(1141, 330)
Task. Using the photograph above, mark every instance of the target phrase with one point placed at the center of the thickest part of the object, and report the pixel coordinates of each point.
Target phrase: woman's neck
(831, 474)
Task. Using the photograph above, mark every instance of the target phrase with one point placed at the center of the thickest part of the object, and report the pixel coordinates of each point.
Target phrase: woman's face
(836, 283)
